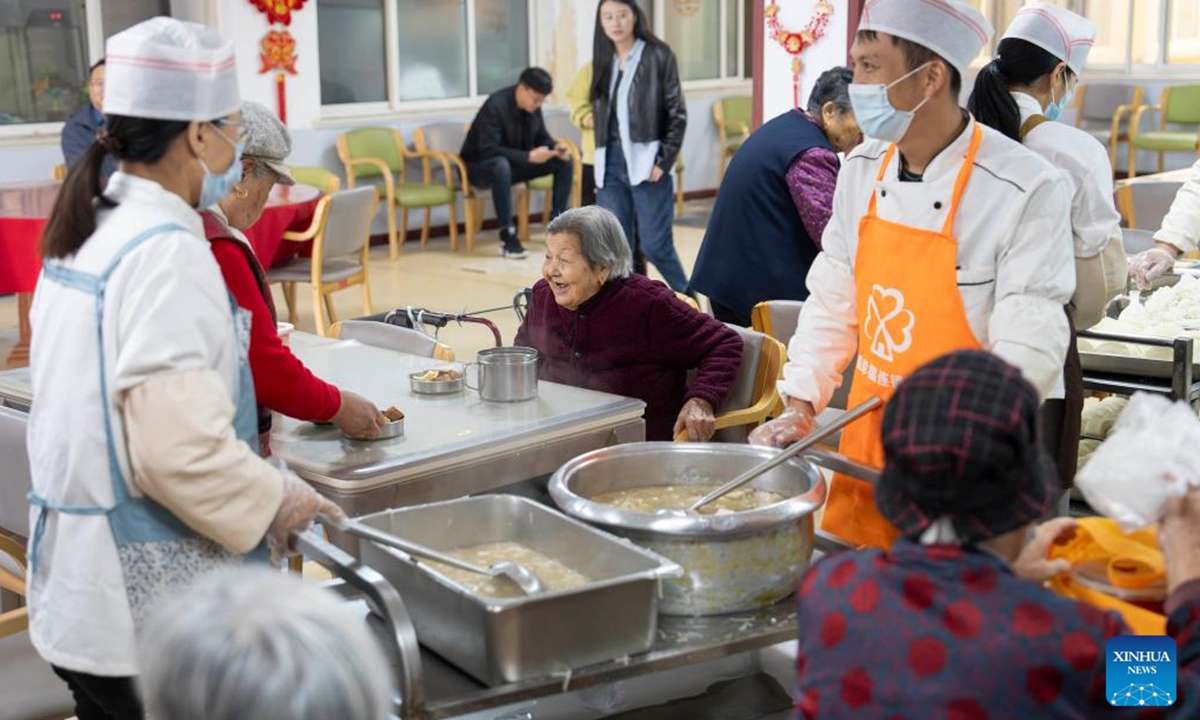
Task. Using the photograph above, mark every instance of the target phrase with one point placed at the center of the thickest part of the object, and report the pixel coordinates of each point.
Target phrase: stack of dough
(1099, 416)
(1169, 313)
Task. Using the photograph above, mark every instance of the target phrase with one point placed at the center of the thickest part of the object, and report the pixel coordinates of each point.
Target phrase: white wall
(826, 53)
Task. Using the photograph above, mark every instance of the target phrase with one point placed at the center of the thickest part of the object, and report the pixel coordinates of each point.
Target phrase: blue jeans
(499, 173)
(649, 209)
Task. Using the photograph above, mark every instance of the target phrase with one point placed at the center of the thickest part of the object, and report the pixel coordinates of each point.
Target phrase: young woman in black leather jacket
(640, 119)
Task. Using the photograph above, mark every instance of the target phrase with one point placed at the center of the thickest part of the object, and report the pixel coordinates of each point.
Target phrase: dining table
(288, 209)
(24, 211)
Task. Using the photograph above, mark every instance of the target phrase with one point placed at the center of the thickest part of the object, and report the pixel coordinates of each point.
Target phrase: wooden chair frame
(1135, 123)
(771, 356)
(13, 621)
(718, 112)
(59, 172)
(321, 290)
(1115, 136)
(343, 151)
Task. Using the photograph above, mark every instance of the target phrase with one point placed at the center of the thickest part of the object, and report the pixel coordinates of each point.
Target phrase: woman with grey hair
(600, 326)
(260, 644)
(281, 381)
(780, 183)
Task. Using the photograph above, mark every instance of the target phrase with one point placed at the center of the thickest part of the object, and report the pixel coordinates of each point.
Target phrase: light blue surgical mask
(216, 186)
(876, 115)
(1055, 108)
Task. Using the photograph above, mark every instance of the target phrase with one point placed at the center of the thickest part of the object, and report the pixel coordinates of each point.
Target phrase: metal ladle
(522, 576)
(816, 436)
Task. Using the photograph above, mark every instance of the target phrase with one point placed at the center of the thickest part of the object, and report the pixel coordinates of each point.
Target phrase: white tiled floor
(435, 278)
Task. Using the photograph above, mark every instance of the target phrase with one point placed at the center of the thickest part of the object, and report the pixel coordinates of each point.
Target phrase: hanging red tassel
(281, 97)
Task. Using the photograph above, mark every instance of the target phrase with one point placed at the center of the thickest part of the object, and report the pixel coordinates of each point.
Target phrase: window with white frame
(49, 45)
(1131, 35)
(441, 49)
(706, 35)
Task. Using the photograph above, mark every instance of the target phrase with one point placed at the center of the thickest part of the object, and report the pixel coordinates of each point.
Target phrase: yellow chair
(318, 177)
(1178, 105)
(341, 235)
(679, 184)
(691, 301)
(392, 337)
(378, 152)
(1101, 110)
(1143, 203)
(754, 394)
(778, 318)
(59, 172)
(733, 116)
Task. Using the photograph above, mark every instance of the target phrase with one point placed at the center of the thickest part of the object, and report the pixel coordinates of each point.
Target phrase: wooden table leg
(19, 357)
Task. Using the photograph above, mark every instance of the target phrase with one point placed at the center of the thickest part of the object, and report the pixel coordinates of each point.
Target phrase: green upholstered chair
(733, 116)
(374, 153)
(318, 177)
(1178, 105)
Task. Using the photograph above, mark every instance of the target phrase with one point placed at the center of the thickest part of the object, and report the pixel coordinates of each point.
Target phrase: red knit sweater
(281, 382)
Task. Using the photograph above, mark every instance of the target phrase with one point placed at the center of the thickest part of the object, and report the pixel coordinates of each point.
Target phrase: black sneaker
(510, 246)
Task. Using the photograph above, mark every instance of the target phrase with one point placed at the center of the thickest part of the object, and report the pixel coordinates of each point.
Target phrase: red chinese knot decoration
(278, 11)
(795, 42)
(278, 54)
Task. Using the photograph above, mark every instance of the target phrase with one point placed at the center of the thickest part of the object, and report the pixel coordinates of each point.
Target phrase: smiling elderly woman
(281, 382)
(599, 326)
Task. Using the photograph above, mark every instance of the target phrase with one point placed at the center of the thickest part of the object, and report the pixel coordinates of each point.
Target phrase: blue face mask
(876, 115)
(215, 186)
(1055, 108)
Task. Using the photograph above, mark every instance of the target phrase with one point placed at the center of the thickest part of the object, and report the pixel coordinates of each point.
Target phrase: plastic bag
(1150, 456)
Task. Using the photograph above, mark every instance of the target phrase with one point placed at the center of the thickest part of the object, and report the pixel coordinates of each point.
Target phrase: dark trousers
(647, 212)
(727, 315)
(1060, 420)
(102, 698)
(499, 174)
(587, 191)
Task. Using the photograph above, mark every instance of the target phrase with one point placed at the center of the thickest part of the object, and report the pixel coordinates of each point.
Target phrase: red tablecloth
(20, 261)
(288, 209)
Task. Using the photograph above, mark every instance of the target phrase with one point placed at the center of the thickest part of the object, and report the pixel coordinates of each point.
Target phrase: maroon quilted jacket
(634, 338)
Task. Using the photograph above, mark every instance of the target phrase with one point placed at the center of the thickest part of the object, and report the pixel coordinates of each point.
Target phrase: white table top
(1171, 176)
(440, 431)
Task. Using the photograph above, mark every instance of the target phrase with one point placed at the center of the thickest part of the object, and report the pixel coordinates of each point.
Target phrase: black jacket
(502, 128)
(656, 107)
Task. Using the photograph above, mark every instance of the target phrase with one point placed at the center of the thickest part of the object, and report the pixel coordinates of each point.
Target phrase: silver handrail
(386, 602)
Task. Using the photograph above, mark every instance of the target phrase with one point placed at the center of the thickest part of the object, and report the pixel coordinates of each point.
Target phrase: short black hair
(917, 55)
(537, 80)
(832, 86)
(92, 69)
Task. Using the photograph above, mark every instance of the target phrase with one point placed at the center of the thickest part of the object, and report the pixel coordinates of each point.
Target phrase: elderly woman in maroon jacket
(599, 326)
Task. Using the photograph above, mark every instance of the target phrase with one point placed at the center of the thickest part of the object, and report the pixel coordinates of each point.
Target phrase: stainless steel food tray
(508, 640)
(1175, 378)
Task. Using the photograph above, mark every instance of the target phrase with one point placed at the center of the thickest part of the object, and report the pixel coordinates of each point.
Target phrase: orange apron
(910, 311)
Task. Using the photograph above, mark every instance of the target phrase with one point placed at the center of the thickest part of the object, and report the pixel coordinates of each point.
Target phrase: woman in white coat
(1020, 93)
(141, 433)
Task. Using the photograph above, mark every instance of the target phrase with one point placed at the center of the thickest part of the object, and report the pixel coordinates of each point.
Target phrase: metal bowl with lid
(732, 562)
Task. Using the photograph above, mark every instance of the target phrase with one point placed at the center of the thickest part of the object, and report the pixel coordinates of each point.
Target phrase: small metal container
(506, 374)
(434, 387)
(732, 562)
(501, 640)
(389, 431)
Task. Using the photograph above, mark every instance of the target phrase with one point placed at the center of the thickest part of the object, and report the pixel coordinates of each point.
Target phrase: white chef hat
(1060, 32)
(951, 28)
(167, 69)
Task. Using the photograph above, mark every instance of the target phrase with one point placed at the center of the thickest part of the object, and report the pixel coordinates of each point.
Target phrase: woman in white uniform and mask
(1020, 93)
(142, 431)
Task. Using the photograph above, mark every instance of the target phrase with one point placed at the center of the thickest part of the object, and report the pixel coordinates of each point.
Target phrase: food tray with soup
(600, 601)
(744, 551)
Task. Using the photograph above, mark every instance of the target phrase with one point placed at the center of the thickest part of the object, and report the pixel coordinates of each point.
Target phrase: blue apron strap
(97, 285)
(39, 528)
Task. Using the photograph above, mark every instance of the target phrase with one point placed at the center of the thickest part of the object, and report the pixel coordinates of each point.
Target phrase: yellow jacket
(580, 102)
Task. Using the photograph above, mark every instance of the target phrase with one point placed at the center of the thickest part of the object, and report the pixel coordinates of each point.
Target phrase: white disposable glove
(794, 424)
(1149, 265)
(300, 505)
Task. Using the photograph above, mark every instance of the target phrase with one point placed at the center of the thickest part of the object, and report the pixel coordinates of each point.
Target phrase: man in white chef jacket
(1179, 234)
(945, 235)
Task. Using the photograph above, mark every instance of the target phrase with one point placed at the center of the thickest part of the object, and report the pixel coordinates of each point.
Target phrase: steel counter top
(441, 432)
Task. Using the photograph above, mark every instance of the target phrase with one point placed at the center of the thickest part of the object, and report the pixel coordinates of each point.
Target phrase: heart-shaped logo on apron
(888, 324)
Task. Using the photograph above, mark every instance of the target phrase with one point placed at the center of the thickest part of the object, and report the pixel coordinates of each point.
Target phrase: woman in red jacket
(281, 381)
(598, 325)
